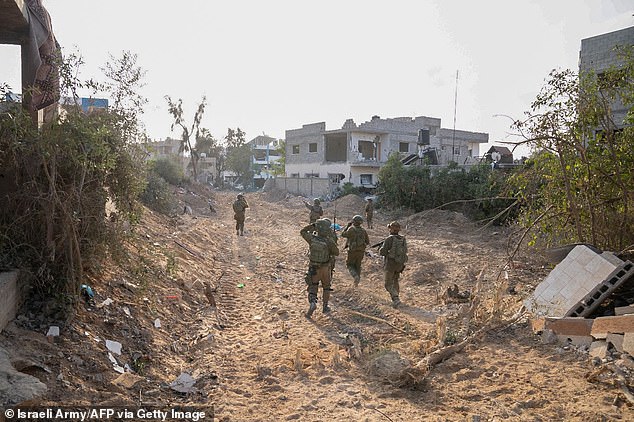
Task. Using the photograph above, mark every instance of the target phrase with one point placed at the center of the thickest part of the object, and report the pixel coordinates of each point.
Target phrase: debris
(118, 368)
(106, 302)
(113, 346)
(127, 380)
(455, 294)
(183, 384)
(157, 323)
(126, 310)
(257, 317)
(86, 292)
(53, 331)
(241, 285)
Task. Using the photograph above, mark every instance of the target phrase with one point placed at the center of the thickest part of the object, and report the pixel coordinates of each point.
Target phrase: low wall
(304, 186)
(11, 297)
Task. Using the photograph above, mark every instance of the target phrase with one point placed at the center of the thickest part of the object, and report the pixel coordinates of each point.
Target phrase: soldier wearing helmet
(322, 250)
(357, 240)
(369, 212)
(239, 213)
(315, 210)
(394, 249)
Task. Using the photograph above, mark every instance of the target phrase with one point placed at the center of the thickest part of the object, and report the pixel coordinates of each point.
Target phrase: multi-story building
(265, 155)
(599, 53)
(355, 153)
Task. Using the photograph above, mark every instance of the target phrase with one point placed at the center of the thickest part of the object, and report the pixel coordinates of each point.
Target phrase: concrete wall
(11, 296)
(311, 186)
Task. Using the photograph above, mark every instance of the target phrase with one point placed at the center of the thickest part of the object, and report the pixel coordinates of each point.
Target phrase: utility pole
(455, 106)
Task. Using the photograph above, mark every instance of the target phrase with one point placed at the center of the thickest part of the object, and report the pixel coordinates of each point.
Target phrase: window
(311, 175)
(456, 150)
(403, 147)
(312, 147)
(295, 175)
(295, 149)
(366, 179)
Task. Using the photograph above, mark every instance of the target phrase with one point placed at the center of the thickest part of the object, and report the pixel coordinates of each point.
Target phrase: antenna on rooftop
(455, 106)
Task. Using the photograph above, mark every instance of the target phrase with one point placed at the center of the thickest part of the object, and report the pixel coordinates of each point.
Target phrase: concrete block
(615, 340)
(613, 324)
(569, 326)
(628, 343)
(598, 349)
(624, 310)
(10, 297)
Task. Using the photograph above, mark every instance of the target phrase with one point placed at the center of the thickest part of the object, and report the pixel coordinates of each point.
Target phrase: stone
(598, 349)
(17, 387)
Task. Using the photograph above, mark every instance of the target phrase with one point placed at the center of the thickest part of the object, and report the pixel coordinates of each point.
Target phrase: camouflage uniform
(369, 212)
(239, 207)
(357, 240)
(393, 269)
(315, 210)
(317, 235)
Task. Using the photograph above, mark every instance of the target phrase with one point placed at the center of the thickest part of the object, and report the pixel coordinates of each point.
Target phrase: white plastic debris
(106, 302)
(114, 346)
(183, 384)
(115, 365)
(126, 310)
(53, 331)
(157, 323)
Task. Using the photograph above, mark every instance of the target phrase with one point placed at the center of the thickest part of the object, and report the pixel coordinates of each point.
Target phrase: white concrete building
(355, 153)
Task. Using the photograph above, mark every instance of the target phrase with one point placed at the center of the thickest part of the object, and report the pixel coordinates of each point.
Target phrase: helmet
(357, 219)
(323, 224)
(240, 196)
(316, 201)
(394, 225)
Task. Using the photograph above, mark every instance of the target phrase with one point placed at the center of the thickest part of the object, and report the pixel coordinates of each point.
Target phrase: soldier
(394, 249)
(357, 240)
(239, 207)
(315, 210)
(369, 212)
(322, 249)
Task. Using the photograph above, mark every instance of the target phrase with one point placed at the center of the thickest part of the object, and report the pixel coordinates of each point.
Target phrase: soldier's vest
(319, 250)
(357, 240)
(238, 207)
(398, 250)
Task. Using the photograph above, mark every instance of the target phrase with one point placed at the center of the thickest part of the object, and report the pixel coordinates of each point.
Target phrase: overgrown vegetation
(579, 185)
(478, 193)
(57, 179)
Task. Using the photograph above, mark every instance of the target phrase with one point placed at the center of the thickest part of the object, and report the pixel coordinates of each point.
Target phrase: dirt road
(256, 357)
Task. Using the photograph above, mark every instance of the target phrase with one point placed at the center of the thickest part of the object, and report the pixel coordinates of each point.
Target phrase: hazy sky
(268, 66)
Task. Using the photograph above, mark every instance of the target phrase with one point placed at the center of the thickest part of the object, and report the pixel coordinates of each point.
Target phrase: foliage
(578, 185)
(239, 157)
(278, 168)
(169, 170)
(158, 195)
(57, 180)
(476, 192)
(176, 110)
(348, 189)
(206, 143)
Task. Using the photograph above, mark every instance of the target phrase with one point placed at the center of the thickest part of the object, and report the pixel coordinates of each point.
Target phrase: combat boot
(237, 232)
(396, 303)
(357, 278)
(326, 297)
(311, 309)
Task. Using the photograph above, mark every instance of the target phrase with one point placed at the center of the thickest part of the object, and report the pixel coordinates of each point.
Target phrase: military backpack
(398, 251)
(319, 250)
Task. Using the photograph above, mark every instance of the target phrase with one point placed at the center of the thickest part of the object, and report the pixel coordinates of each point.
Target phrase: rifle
(378, 245)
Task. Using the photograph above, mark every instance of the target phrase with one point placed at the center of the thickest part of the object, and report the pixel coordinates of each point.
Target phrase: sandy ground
(255, 357)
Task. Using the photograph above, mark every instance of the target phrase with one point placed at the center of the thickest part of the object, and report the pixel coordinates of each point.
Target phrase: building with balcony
(355, 153)
(265, 155)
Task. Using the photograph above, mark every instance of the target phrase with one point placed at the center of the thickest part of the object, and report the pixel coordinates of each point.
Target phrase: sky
(269, 66)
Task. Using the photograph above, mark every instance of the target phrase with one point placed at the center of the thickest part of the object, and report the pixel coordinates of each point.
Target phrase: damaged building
(355, 153)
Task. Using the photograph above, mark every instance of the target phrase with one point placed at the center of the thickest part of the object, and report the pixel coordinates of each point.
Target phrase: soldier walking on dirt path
(239, 213)
(357, 240)
(315, 210)
(369, 212)
(322, 249)
(394, 249)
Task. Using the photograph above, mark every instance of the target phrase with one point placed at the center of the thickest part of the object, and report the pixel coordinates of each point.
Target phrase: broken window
(366, 179)
(366, 150)
(403, 147)
(312, 147)
(336, 177)
(295, 149)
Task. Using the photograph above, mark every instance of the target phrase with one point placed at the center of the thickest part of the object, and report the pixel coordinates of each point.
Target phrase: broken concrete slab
(622, 324)
(624, 310)
(11, 296)
(616, 340)
(598, 349)
(571, 281)
(17, 387)
(628, 343)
